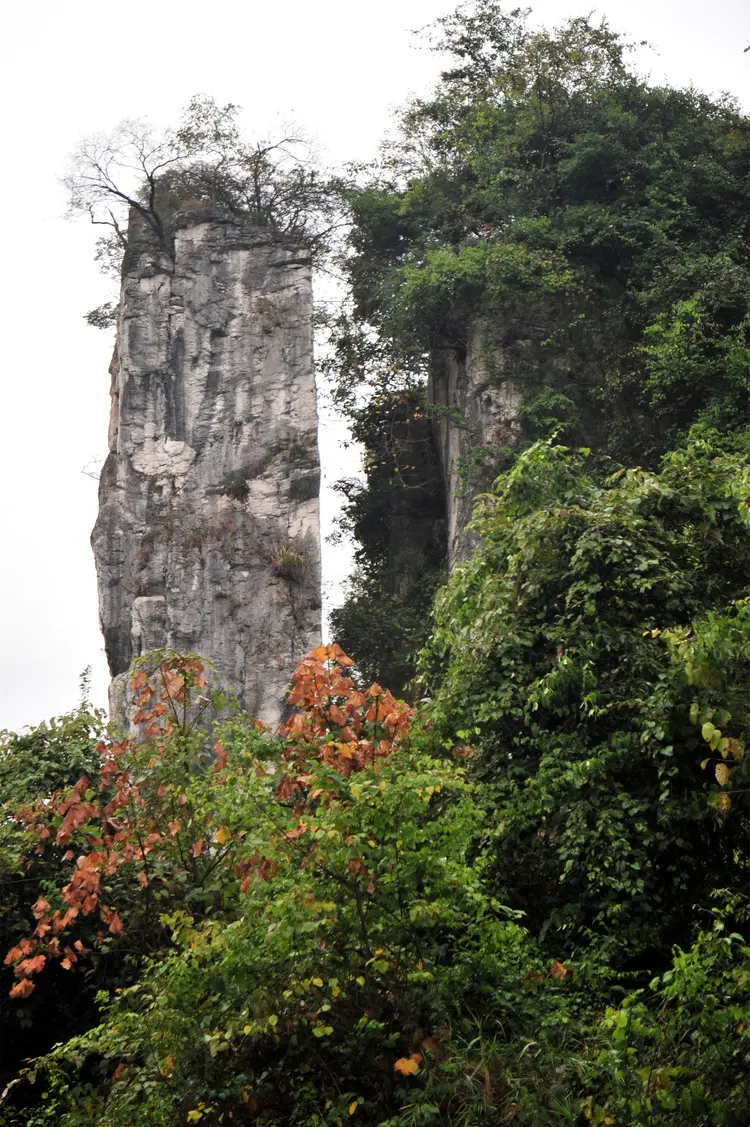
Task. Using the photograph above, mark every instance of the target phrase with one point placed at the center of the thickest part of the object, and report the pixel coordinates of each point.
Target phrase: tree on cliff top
(205, 163)
(593, 223)
(589, 228)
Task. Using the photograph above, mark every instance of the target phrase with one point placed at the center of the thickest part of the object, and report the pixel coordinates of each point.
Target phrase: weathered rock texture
(208, 536)
(477, 402)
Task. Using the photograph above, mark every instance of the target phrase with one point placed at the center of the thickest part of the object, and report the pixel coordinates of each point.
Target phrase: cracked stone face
(213, 474)
(479, 408)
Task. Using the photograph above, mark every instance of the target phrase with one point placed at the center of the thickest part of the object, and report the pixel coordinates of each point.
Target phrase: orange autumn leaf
(41, 907)
(22, 989)
(407, 1066)
(557, 970)
(330, 727)
(31, 966)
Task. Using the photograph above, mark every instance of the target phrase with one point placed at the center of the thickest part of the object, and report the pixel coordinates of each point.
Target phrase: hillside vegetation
(591, 225)
(520, 895)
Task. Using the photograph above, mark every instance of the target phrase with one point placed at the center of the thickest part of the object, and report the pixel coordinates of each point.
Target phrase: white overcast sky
(337, 67)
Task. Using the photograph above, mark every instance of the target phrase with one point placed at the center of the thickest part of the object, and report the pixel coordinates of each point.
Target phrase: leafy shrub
(591, 644)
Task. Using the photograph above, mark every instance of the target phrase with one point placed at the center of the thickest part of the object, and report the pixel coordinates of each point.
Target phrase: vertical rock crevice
(208, 534)
(475, 397)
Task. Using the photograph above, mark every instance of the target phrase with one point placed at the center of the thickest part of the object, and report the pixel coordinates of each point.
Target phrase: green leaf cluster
(600, 622)
(593, 223)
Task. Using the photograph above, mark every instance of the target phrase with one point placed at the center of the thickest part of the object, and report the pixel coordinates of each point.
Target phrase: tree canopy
(133, 180)
(590, 227)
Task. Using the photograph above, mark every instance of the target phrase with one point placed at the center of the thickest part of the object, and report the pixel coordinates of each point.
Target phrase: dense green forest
(520, 894)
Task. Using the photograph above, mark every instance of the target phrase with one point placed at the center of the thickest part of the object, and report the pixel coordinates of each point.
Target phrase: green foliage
(589, 226)
(644, 1071)
(305, 979)
(523, 903)
(304, 929)
(34, 764)
(600, 622)
(336, 927)
(135, 180)
(396, 519)
(594, 224)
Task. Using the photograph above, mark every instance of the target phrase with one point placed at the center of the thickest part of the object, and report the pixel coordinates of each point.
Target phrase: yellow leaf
(247, 1029)
(407, 1066)
(722, 774)
(353, 1106)
(336, 991)
(222, 835)
(194, 1116)
(317, 981)
(360, 981)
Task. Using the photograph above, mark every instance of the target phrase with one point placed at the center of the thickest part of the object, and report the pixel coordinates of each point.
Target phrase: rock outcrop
(208, 535)
(476, 402)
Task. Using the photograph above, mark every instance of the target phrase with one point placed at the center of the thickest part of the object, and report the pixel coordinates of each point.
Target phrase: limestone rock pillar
(208, 534)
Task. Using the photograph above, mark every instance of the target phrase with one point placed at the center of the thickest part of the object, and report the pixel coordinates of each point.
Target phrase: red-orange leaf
(41, 907)
(22, 989)
(31, 966)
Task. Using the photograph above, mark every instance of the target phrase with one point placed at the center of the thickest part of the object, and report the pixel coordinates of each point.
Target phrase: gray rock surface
(477, 400)
(208, 535)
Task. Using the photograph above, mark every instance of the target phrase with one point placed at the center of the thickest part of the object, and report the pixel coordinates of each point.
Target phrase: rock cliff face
(477, 415)
(208, 534)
